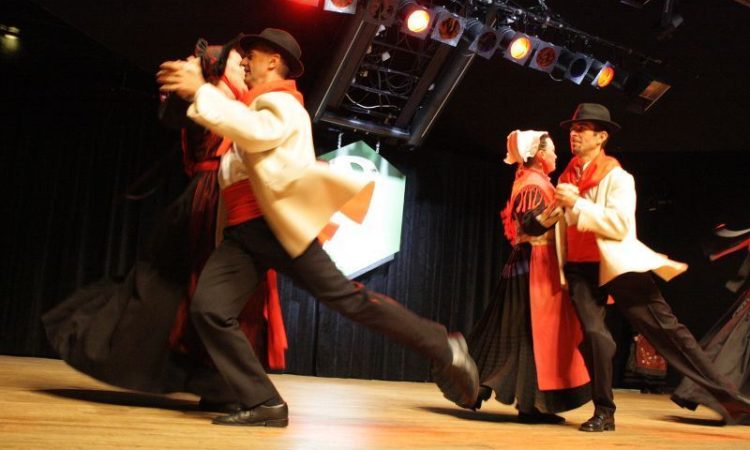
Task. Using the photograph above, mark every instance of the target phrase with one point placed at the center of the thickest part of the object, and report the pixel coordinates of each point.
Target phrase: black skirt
(727, 343)
(501, 344)
(118, 332)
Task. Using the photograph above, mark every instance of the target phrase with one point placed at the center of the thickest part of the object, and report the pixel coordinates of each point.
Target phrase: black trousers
(231, 275)
(642, 304)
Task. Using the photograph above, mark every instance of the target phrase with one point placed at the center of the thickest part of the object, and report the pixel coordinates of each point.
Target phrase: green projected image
(357, 248)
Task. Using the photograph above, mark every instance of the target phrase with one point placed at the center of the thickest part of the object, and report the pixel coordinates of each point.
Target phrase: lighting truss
(388, 82)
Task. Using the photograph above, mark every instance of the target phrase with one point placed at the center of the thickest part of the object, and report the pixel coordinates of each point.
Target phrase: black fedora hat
(592, 112)
(280, 41)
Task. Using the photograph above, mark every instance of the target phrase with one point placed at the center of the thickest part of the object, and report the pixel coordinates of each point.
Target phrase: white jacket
(608, 210)
(273, 149)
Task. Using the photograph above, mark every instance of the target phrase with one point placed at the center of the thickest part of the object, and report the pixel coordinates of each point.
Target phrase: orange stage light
(418, 20)
(520, 47)
(605, 77)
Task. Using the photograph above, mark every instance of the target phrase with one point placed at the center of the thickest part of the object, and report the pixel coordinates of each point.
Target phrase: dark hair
(599, 128)
(542, 146)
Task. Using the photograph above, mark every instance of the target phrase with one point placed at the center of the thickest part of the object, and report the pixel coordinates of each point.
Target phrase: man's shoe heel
(280, 423)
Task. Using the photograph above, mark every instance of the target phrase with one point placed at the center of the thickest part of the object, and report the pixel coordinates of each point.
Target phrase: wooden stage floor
(44, 404)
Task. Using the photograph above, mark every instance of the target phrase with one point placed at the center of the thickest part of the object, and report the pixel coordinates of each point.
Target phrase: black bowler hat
(592, 112)
(280, 41)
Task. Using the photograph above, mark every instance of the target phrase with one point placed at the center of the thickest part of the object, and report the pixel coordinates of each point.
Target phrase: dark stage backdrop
(78, 127)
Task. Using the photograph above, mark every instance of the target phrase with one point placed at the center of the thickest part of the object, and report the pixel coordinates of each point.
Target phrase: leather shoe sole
(260, 416)
(598, 424)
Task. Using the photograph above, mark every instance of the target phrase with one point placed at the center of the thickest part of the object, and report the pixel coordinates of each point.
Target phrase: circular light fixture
(449, 28)
(545, 58)
(418, 20)
(578, 67)
(605, 77)
(487, 41)
(520, 47)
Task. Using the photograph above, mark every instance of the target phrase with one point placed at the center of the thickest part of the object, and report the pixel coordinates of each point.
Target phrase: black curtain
(78, 127)
(451, 252)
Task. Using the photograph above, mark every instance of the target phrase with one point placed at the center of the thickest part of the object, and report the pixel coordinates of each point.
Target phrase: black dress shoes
(259, 416)
(221, 407)
(458, 381)
(599, 422)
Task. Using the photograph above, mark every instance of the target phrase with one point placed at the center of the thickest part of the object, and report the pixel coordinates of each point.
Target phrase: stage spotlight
(484, 40)
(571, 66)
(602, 74)
(545, 57)
(381, 12)
(644, 91)
(341, 6)
(519, 48)
(448, 27)
(578, 67)
(417, 19)
(10, 31)
(10, 42)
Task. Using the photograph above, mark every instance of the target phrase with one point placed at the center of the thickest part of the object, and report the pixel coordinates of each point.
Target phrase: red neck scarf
(597, 169)
(235, 91)
(288, 86)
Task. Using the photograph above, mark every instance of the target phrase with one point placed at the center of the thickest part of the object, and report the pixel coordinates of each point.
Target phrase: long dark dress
(727, 343)
(135, 334)
(502, 342)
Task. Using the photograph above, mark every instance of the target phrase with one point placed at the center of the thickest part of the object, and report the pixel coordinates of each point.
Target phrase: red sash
(240, 203)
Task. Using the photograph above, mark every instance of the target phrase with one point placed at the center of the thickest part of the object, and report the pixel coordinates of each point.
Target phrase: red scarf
(288, 86)
(594, 172)
(235, 91)
(582, 245)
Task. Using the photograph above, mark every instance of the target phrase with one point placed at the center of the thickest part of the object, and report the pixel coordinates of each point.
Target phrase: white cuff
(201, 104)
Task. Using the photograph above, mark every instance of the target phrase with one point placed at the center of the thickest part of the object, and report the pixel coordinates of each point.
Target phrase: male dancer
(604, 256)
(278, 200)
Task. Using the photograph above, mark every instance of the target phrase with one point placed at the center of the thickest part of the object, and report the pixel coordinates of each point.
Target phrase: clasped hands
(565, 196)
(181, 77)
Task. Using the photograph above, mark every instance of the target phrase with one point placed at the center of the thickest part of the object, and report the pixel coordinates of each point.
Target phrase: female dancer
(136, 334)
(727, 343)
(526, 343)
